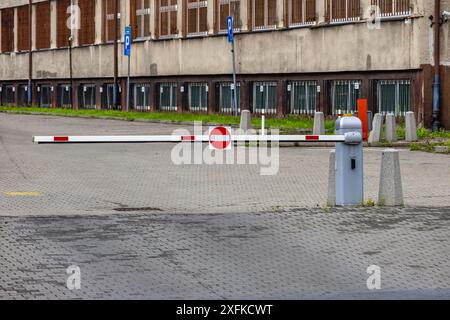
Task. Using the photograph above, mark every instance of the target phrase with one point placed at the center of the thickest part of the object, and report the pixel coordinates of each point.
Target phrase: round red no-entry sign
(220, 138)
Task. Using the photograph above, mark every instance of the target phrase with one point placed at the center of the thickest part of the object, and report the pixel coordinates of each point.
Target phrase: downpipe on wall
(437, 61)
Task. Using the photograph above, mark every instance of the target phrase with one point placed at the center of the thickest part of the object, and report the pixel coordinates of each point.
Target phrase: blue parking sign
(127, 41)
(230, 28)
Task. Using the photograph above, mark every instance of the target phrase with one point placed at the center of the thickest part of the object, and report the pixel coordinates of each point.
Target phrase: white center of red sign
(220, 138)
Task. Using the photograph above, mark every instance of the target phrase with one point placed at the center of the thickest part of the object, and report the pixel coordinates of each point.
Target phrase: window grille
(265, 97)
(64, 96)
(303, 97)
(168, 97)
(198, 97)
(344, 96)
(45, 96)
(87, 96)
(107, 96)
(226, 8)
(394, 96)
(392, 8)
(141, 101)
(226, 99)
(301, 12)
(265, 14)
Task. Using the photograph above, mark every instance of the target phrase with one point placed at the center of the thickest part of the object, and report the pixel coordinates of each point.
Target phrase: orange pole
(362, 115)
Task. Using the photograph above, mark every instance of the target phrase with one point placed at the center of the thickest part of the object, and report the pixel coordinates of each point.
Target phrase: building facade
(293, 56)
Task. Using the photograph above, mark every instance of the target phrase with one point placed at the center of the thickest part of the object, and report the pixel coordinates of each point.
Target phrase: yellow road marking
(23, 194)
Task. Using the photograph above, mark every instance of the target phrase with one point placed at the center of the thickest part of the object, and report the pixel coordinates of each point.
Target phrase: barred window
(226, 98)
(141, 101)
(168, 97)
(264, 13)
(8, 95)
(303, 97)
(23, 95)
(394, 96)
(64, 96)
(86, 34)
(87, 96)
(301, 12)
(197, 17)
(62, 31)
(109, 22)
(42, 25)
(265, 97)
(23, 33)
(342, 10)
(389, 8)
(44, 95)
(344, 96)
(107, 96)
(141, 18)
(226, 8)
(167, 17)
(198, 97)
(8, 30)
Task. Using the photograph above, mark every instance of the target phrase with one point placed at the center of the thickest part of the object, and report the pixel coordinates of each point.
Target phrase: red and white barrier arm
(348, 138)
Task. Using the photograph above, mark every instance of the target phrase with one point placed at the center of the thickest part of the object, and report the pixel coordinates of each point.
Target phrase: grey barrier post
(349, 163)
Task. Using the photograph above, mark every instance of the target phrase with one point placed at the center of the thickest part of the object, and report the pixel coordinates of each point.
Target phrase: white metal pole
(263, 123)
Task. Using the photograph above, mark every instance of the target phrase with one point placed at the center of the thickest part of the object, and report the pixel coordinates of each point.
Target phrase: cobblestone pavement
(140, 227)
(299, 254)
(96, 179)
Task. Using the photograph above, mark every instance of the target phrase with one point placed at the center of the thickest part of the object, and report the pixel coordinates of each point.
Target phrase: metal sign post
(127, 52)
(231, 40)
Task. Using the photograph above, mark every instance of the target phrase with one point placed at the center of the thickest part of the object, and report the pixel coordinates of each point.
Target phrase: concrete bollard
(390, 191)
(391, 128)
(377, 129)
(410, 127)
(319, 124)
(246, 120)
(331, 199)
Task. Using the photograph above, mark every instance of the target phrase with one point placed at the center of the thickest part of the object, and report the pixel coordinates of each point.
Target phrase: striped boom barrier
(352, 138)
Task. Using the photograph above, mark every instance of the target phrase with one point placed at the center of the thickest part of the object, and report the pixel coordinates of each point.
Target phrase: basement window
(226, 99)
(265, 97)
(87, 96)
(394, 96)
(303, 97)
(344, 96)
(168, 97)
(23, 95)
(107, 95)
(198, 97)
(44, 96)
(8, 93)
(141, 97)
(64, 96)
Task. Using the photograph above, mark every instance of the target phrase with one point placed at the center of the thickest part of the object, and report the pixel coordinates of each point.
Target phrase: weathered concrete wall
(351, 47)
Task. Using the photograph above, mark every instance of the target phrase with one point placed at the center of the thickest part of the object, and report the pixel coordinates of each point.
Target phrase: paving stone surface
(100, 179)
(140, 227)
(298, 254)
